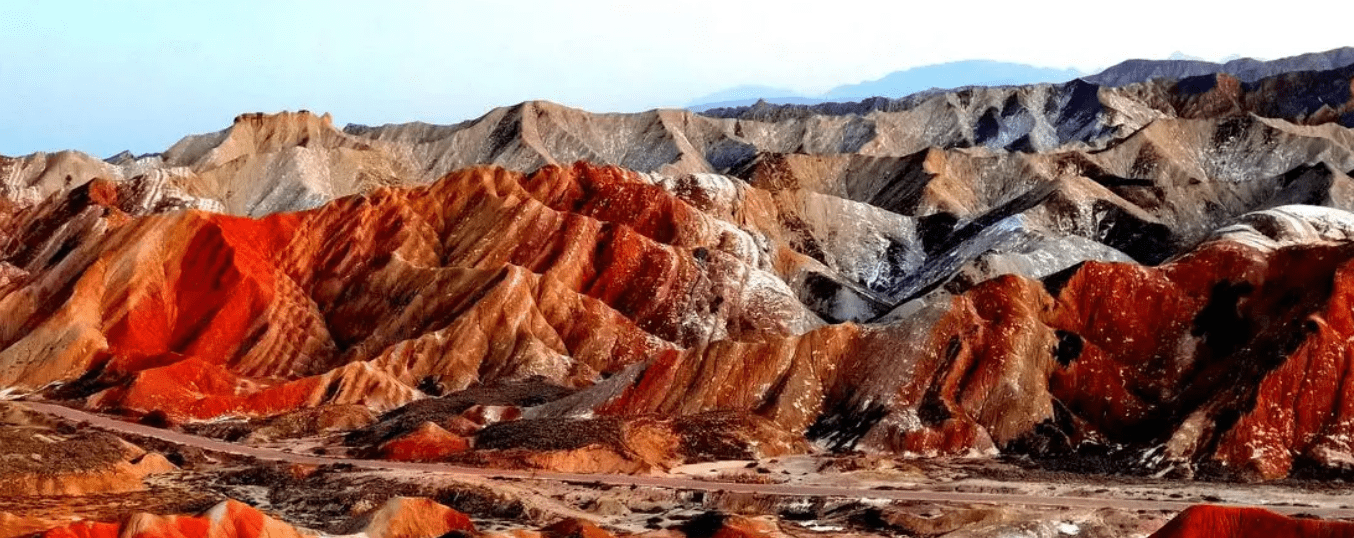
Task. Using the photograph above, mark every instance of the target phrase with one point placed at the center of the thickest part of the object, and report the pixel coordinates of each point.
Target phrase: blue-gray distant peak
(896, 84)
(952, 75)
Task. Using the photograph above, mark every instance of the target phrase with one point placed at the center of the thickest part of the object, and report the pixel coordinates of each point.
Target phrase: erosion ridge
(253, 318)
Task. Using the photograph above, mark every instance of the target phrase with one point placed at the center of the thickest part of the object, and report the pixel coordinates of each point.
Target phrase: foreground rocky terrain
(1149, 280)
(210, 487)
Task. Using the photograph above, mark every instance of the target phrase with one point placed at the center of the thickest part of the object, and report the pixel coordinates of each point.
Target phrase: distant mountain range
(896, 84)
(993, 73)
(952, 75)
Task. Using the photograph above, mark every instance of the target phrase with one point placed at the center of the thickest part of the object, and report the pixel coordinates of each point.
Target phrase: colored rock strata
(1159, 271)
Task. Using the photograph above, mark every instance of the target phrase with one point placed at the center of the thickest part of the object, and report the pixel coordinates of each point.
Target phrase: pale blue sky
(103, 76)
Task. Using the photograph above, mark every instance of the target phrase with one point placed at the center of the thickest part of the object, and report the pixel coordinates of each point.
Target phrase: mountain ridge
(1247, 70)
(974, 73)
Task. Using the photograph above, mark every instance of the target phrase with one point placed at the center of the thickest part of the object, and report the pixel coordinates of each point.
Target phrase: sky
(106, 76)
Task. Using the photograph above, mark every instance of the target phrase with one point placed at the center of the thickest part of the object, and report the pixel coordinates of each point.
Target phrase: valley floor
(799, 495)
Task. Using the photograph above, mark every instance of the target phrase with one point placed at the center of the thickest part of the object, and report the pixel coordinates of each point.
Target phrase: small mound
(575, 528)
(314, 421)
(722, 435)
(443, 410)
(427, 443)
(542, 435)
(406, 516)
(598, 445)
(45, 452)
(720, 525)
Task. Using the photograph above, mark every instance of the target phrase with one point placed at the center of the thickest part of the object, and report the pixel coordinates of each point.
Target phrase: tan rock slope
(259, 165)
(291, 161)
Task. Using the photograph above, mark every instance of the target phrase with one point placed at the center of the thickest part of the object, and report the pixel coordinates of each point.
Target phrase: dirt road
(1333, 507)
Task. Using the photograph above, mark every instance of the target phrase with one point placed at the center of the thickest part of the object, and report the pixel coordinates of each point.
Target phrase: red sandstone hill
(659, 305)
(1247, 522)
(1229, 356)
(486, 275)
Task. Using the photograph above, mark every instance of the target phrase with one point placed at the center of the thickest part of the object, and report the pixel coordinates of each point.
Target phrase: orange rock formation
(677, 292)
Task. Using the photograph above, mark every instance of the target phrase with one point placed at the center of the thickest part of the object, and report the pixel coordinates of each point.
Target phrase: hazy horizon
(137, 76)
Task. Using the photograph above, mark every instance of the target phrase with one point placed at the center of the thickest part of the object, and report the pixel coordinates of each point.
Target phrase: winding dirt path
(1337, 507)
